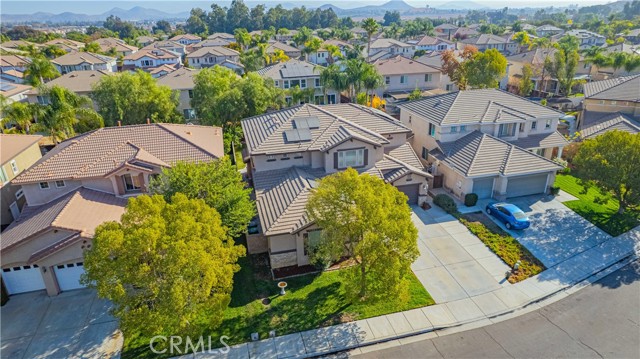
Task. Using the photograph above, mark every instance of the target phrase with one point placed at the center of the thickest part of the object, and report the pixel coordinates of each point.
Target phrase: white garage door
(68, 275)
(526, 185)
(483, 187)
(22, 279)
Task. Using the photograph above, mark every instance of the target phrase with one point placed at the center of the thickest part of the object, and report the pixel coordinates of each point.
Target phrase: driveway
(75, 324)
(453, 264)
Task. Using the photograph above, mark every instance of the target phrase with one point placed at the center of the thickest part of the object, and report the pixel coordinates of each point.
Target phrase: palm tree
(632, 63)
(332, 77)
(20, 115)
(333, 52)
(371, 27)
(617, 60)
(543, 43)
(371, 80)
(39, 70)
(242, 38)
(312, 45)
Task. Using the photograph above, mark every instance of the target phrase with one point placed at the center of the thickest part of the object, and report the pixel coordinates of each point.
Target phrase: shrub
(555, 190)
(470, 199)
(446, 202)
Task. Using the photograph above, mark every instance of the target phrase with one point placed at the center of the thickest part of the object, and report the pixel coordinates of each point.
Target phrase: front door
(15, 211)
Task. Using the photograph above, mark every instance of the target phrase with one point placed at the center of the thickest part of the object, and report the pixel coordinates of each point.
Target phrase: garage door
(22, 279)
(483, 187)
(526, 185)
(68, 275)
(411, 191)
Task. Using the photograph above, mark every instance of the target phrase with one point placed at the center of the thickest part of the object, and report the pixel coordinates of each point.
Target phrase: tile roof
(339, 43)
(265, 134)
(609, 122)
(65, 43)
(478, 106)
(431, 40)
(486, 39)
(386, 43)
(543, 140)
(480, 154)
(213, 50)
(293, 68)
(80, 211)
(154, 53)
(77, 58)
(10, 89)
(277, 45)
(185, 36)
(212, 43)
(98, 153)
(14, 44)
(181, 79)
(14, 61)
(76, 81)
(535, 57)
(221, 35)
(109, 43)
(13, 145)
(625, 88)
(401, 65)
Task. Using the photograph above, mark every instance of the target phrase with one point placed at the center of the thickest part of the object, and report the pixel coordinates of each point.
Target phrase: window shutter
(366, 156)
(335, 160)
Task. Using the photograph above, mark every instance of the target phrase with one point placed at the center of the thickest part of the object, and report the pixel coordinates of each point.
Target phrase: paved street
(599, 321)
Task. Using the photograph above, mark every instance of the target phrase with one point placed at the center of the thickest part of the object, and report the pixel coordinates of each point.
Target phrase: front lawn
(503, 245)
(312, 301)
(600, 210)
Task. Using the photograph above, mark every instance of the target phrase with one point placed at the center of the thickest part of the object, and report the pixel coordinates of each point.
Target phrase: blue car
(509, 214)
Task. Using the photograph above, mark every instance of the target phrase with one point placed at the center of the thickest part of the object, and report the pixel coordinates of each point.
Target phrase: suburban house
(594, 124)
(83, 61)
(305, 75)
(548, 31)
(145, 40)
(221, 35)
(288, 50)
(486, 141)
(392, 47)
(19, 44)
(216, 55)
(464, 33)
(620, 94)
(209, 43)
(120, 47)
(13, 92)
(186, 39)
(81, 183)
(168, 45)
(405, 75)
(149, 58)
(18, 152)
(79, 82)
(322, 56)
(505, 45)
(430, 43)
(288, 151)
(159, 71)
(181, 80)
(445, 30)
(65, 44)
(587, 38)
(602, 73)
(12, 68)
(633, 36)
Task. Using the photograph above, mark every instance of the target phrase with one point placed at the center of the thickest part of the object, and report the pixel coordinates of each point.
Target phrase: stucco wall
(374, 154)
(632, 108)
(261, 163)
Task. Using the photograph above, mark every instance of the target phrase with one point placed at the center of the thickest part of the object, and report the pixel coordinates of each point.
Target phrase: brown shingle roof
(181, 79)
(99, 152)
(76, 81)
(401, 65)
(213, 50)
(76, 58)
(153, 53)
(13, 145)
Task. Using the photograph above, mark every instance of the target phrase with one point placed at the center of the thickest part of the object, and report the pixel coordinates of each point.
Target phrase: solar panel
(305, 134)
(297, 135)
(306, 122)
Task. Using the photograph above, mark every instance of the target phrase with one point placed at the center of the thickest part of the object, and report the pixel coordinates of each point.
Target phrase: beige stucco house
(82, 183)
(288, 151)
(303, 74)
(181, 80)
(487, 141)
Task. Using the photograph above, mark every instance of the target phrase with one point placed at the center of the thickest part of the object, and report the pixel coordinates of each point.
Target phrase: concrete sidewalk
(503, 303)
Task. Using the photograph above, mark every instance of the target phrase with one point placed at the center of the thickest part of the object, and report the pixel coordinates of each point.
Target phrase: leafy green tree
(238, 16)
(19, 115)
(166, 267)
(522, 38)
(332, 77)
(52, 51)
(132, 98)
(304, 34)
(369, 221)
(40, 70)
(610, 163)
(455, 67)
(312, 46)
(242, 38)
(371, 26)
(391, 17)
(196, 22)
(92, 47)
(564, 68)
(371, 80)
(526, 84)
(218, 183)
(415, 94)
(162, 25)
(486, 69)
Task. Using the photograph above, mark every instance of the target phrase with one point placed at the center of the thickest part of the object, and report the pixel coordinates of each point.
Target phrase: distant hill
(133, 14)
(461, 5)
(371, 10)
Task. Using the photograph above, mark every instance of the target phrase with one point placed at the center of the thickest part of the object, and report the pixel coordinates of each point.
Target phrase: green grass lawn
(600, 210)
(503, 245)
(312, 301)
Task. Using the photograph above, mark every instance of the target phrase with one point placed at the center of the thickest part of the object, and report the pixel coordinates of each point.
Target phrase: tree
(522, 38)
(371, 26)
(93, 47)
(217, 183)
(485, 69)
(368, 220)
(391, 17)
(132, 98)
(52, 51)
(162, 25)
(610, 163)
(526, 84)
(238, 16)
(415, 94)
(124, 29)
(371, 80)
(196, 23)
(454, 65)
(304, 34)
(242, 38)
(332, 77)
(167, 267)
(312, 45)
(564, 68)
(20, 115)
(40, 70)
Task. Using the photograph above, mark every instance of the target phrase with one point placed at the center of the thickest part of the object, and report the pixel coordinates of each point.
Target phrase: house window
(449, 87)
(425, 153)
(60, 183)
(547, 124)
(44, 185)
(614, 102)
(351, 158)
(295, 83)
(277, 83)
(3, 176)
(303, 84)
(463, 128)
(190, 93)
(131, 183)
(432, 130)
(311, 239)
(409, 177)
(286, 84)
(540, 152)
(19, 193)
(454, 129)
(317, 82)
(534, 124)
(297, 155)
(427, 77)
(403, 79)
(14, 167)
(285, 157)
(521, 127)
(387, 80)
(507, 130)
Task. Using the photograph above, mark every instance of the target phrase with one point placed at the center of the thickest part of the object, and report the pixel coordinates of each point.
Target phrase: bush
(554, 190)
(446, 202)
(470, 199)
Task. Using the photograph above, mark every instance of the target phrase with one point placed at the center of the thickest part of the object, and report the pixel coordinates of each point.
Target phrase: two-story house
(14, 93)
(12, 68)
(169, 45)
(548, 30)
(83, 61)
(392, 47)
(145, 41)
(65, 44)
(445, 30)
(81, 183)
(181, 80)
(305, 75)
(431, 43)
(79, 82)
(18, 152)
(146, 59)
(288, 50)
(323, 57)
(610, 104)
(587, 38)
(215, 55)
(120, 47)
(486, 141)
(505, 45)
(405, 75)
(186, 39)
(291, 149)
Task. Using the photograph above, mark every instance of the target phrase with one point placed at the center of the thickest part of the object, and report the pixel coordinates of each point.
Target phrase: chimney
(148, 121)
(119, 123)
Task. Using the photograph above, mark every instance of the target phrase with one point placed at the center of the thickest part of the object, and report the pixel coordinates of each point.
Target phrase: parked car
(509, 214)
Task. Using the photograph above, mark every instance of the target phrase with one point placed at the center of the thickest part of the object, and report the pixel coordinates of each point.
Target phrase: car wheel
(508, 225)
(488, 210)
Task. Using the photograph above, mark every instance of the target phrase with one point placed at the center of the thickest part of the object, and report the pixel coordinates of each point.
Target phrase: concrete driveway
(556, 233)
(453, 264)
(75, 324)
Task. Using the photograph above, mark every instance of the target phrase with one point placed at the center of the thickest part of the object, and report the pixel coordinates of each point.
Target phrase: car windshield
(519, 215)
